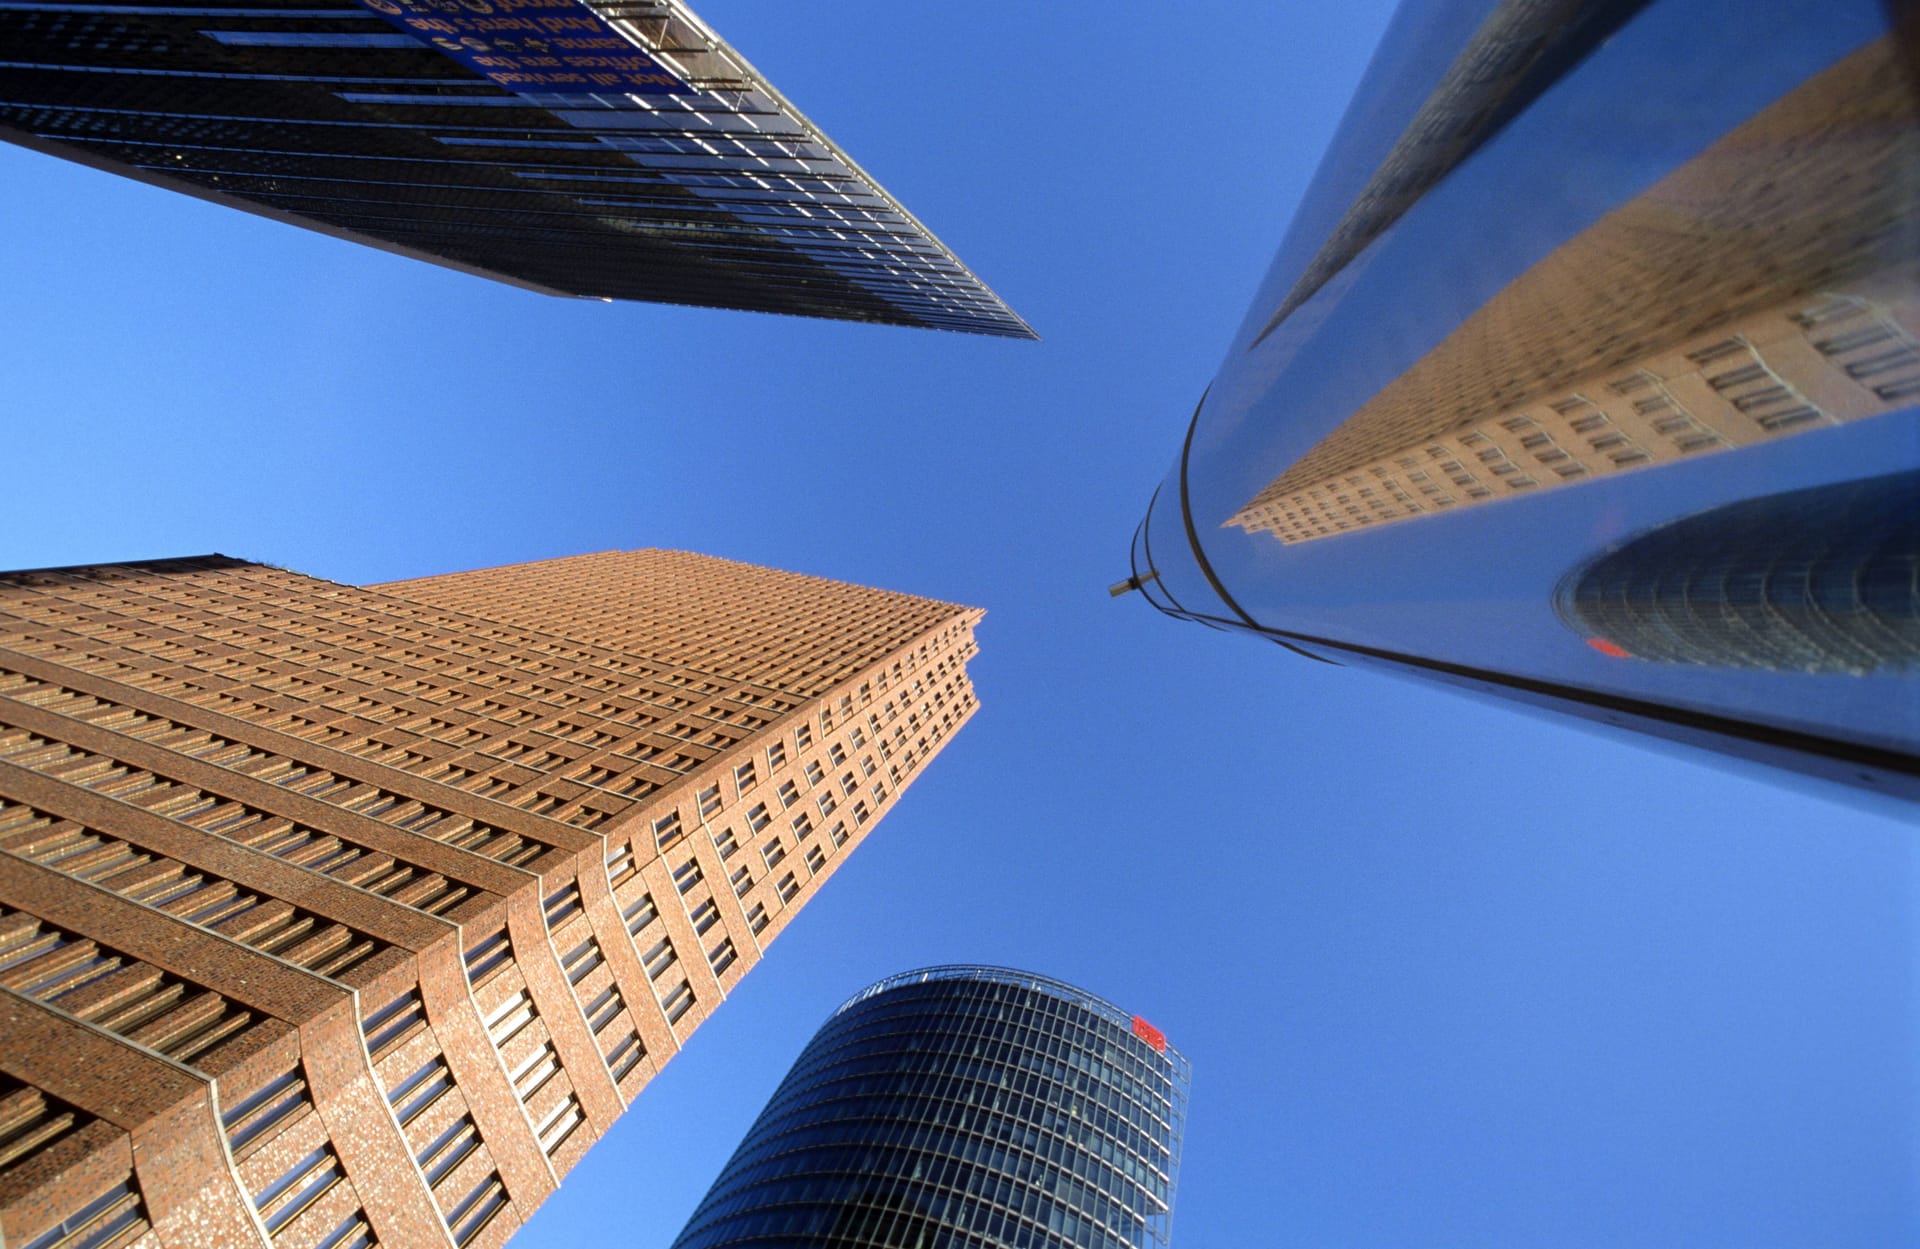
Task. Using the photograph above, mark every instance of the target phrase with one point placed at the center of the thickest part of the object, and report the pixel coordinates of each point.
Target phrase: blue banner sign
(532, 45)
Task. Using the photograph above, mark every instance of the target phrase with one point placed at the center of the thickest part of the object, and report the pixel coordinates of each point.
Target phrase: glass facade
(670, 171)
(962, 1106)
(1584, 302)
(1819, 580)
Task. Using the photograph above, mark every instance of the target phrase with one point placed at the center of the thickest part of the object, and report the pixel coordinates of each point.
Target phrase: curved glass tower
(1572, 274)
(1820, 580)
(962, 1106)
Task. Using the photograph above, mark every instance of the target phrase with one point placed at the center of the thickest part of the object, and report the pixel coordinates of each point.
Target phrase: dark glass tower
(1820, 580)
(962, 1106)
(618, 149)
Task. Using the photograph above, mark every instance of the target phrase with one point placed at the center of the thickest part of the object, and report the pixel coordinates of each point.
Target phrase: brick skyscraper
(336, 916)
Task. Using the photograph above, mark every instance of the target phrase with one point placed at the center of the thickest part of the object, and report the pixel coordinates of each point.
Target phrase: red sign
(1150, 1034)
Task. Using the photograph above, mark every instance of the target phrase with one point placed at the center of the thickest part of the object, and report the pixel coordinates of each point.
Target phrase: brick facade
(337, 916)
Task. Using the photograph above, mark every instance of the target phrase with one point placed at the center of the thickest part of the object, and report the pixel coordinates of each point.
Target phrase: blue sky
(1449, 973)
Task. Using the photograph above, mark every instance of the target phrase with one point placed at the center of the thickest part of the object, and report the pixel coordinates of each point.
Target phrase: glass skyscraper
(1570, 275)
(1819, 580)
(613, 149)
(962, 1106)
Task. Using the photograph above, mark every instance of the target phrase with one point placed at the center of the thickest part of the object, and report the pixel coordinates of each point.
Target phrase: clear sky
(1449, 973)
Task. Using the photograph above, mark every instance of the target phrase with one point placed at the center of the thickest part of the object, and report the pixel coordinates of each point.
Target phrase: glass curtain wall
(962, 1106)
(1586, 376)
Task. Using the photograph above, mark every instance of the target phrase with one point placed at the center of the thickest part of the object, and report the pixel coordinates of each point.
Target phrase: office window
(826, 802)
(309, 39)
(773, 852)
(392, 1022)
(666, 831)
(580, 962)
(788, 886)
(802, 826)
(658, 958)
(488, 956)
(722, 956)
(709, 799)
(625, 1056)
(639, 913)
(678, 1002)
(535, 1070)
(603, 1010)
(776, 756)
(741, 880)
(724, 842)
(816, 858)
(686, 876)
(620, 864)
(803, 736)
(836, 755)
(757, 919)
(562, 905)
(705, 916)
(744, 777)
(758, 818)
(815, 773)
(789, 793)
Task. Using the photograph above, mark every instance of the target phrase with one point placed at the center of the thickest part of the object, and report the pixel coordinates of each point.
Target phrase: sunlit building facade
(336, 916)
(1839, 356)
(604, 149)
(962, 1106)
(1535, 305)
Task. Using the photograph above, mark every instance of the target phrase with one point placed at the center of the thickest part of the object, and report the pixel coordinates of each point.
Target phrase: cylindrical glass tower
(962, 1106)
(1517, 330)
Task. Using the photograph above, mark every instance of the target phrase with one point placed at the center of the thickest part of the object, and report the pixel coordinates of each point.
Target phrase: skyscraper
(334, 916)
(1819, 580)
(607, 149)
(1536, 303)
(962, 1106)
